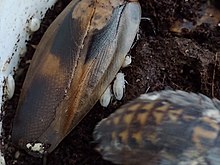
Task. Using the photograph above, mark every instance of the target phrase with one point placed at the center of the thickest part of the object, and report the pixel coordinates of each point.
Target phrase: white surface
(15, 30)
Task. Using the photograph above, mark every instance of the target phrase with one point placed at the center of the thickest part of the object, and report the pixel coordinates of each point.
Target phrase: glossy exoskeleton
(76, 60)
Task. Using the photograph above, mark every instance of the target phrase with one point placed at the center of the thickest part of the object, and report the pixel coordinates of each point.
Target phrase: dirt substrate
(179, 49)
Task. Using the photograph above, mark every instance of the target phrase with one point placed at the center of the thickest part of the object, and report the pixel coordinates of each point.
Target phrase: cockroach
(119, 86)
(74, 63)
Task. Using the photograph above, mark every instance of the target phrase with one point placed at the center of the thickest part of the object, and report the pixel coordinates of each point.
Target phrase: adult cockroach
(76, 60)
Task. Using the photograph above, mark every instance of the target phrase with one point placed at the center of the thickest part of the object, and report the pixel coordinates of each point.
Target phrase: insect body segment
(34, 24)
(127, 61)
(119, 85)
(106, 97)
(10, 86)
(85, 47)
(161, 128)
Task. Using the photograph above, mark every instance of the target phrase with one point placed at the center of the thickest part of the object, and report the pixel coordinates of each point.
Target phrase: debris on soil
(178, 48)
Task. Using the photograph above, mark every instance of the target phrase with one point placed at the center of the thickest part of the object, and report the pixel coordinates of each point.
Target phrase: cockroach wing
(48, 77)
(76, 60)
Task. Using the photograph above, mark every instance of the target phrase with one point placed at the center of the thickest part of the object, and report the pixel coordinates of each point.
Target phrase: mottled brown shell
(162, 128)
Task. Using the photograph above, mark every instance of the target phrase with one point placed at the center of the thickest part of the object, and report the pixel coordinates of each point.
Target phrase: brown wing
(74, 63)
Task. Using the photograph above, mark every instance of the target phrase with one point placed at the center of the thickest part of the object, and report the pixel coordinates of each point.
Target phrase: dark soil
(179, 49)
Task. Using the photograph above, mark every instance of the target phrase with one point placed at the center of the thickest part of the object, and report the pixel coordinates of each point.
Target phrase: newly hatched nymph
(75, 62)
(162, 128)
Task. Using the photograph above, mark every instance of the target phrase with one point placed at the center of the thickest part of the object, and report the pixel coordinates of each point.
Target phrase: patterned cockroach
(162, 128)
(75, 61)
